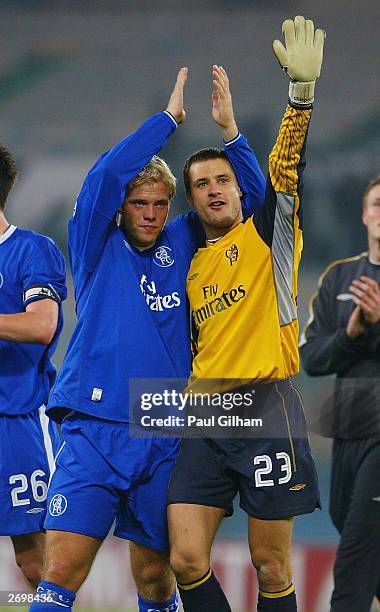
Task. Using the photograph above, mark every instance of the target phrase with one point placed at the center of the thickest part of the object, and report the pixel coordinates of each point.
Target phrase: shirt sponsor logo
(220, 303)
(154, 300)
(163, 257)
(344, 297)
(58, 505)
(232, 253)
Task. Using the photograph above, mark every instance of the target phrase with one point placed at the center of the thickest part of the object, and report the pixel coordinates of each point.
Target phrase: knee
(187, 565)
(59, 571)
(66, 572)
(154, 572)
(273, 569)
(31, 567)
(154, 580)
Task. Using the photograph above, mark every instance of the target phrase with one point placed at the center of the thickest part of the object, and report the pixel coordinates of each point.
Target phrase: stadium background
(77, 75)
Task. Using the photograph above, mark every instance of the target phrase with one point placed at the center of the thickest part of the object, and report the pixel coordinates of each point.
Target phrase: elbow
(310, 369)
(46, 332)
(309, 365)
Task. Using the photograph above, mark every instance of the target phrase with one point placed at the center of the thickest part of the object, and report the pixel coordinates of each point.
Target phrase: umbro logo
(297, 487)
(193, 276)
(344, 297)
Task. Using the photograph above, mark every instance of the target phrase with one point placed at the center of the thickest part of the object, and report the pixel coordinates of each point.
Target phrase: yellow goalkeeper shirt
(243, 288)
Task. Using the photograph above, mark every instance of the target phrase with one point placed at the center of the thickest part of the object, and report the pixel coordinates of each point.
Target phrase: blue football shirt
(133, 314)
(31, 268)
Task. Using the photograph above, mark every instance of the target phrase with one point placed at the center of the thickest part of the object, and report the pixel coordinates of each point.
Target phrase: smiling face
(144, 213)
(215, 195)
(371, 213)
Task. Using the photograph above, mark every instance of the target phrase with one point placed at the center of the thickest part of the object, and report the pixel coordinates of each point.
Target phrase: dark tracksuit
(355, 427)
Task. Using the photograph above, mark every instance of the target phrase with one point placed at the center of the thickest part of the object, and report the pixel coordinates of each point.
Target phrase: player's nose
(214, 190)
(149, 212)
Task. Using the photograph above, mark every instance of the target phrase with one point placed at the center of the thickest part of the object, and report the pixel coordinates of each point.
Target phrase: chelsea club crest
(163, 257)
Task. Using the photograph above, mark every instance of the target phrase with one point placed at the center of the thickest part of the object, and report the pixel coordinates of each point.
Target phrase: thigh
(192, 529)
(29, 547)
(365, 500)
(357, 567)
(201, 477)
(342, 480)
(151, 572)
(69, 557)
(24, 474)
(268, 539)
(83, 496)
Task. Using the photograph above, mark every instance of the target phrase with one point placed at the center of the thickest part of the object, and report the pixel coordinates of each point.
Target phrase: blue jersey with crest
(133, 314)
(31, 268)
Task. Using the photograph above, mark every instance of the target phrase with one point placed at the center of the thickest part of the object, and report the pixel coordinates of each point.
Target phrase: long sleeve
(251, 181)
(248, 172)
(103, 190)
(325, 348)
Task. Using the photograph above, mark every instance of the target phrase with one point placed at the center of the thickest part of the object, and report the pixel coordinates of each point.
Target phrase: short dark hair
(199, 156)
(8, 174)
(375, 181)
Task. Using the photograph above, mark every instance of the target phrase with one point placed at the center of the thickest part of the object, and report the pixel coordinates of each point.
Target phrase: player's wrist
(170, 114)
(302, 93)
(230, 131)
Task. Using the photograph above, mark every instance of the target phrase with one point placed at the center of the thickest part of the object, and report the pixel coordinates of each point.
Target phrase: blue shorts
(274, 476)
(28, 443)
(102, 475)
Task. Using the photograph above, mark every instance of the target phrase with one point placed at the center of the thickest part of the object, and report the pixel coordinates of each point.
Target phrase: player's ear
(365, 216)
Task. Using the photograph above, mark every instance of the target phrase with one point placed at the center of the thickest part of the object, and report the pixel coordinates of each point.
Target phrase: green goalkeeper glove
(301, 57)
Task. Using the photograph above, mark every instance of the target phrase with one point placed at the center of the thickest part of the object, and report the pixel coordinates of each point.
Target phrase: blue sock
(51, 597)
(145, 605)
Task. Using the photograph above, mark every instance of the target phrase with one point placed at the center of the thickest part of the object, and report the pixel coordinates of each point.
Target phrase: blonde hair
(156, 170)
(373, 183)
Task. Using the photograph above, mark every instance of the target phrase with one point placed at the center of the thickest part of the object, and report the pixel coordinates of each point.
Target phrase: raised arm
(279, 221)
(240, 154)
(104, 188)
(301, 59)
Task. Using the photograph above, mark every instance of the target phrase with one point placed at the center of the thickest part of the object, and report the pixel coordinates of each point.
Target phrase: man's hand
(175, 104)
(301, 57)
(355, 326)
(222, 110)
(366, 295)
